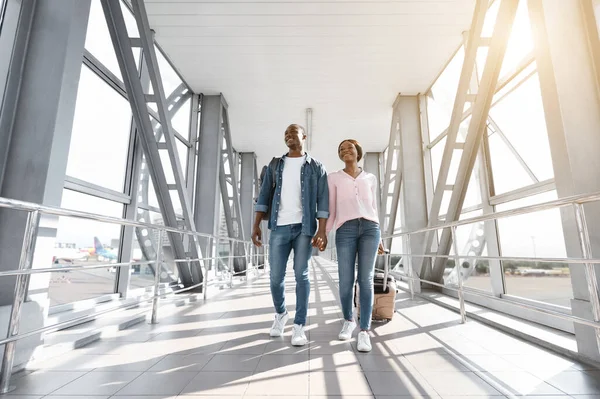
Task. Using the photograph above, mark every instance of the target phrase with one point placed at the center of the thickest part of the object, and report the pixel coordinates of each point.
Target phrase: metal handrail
(25, 270)
(50, 210)
(560, 203)
(588, 261)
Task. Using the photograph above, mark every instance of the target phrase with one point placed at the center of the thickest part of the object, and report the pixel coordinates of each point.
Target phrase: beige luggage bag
(384, 299)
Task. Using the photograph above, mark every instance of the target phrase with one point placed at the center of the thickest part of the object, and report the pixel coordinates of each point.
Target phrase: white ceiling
(347, 60)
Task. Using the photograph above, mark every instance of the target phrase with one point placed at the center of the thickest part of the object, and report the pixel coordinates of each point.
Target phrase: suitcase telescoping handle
(386, 268)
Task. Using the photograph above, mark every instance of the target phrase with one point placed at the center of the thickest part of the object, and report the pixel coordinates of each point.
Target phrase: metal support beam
(372, 164)
(207, 198)
(570, 95)
(414, 200)
(392, 180)
(231, 202)
(247, 190)
(481, 106)
(192, 150)
(493, 126)
(36, 121)
(481, 233)
(139, 107)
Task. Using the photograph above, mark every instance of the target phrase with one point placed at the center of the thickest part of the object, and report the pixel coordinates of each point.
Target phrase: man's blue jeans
(281, 242)
(357, 237)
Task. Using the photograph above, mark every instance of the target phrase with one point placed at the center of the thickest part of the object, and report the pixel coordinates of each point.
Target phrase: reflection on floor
(222, 349)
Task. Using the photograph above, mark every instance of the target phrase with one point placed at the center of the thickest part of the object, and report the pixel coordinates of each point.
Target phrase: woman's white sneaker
(347, 330)
(364, 342)
(279, 324)
(298, 335)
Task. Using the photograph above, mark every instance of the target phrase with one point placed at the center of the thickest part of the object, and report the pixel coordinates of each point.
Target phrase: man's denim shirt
(314, 189)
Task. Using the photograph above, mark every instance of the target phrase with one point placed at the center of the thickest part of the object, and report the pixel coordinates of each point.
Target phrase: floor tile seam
(68, 383)
(188, 383)
(129, 383)
(212, 355)
(418, 372)
(512, 394)
(597, 393)
(571, 369)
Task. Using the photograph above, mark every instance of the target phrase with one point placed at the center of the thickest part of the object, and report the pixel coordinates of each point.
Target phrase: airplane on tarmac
(68, 255)
(103, 253)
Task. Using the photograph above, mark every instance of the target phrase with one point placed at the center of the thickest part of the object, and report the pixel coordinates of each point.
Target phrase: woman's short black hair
(356, 144)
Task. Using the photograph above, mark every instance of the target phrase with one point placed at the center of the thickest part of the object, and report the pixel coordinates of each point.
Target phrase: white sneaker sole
(344, 338)
(298, 343)
(364, 349)
(275, 334)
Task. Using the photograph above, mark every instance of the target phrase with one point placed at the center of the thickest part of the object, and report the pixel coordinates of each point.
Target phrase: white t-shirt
(290, 206)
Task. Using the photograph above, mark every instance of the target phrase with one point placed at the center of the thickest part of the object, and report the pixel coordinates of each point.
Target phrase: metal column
(210, 139)
(36, 122)
(372, 164)
(568, 73)
(413, 200)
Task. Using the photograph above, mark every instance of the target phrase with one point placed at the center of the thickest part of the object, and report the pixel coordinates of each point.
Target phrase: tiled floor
(222, 349)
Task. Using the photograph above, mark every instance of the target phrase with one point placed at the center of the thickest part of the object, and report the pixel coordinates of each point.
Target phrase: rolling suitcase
(384, 298)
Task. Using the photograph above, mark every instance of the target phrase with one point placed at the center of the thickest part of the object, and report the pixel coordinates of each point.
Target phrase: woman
(353, 214)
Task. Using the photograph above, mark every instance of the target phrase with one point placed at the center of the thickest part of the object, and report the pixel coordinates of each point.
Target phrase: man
(300, 196)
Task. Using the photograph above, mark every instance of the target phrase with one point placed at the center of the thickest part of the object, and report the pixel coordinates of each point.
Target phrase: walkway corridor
(222, 349)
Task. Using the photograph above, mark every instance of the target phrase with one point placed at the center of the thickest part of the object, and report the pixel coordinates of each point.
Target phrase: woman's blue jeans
(357, 238)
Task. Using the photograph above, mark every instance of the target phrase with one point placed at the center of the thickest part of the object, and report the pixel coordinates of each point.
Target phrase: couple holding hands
(303, 204)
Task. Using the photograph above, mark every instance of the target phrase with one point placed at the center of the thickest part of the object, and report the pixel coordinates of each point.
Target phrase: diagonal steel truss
(175, 101)
(139, 101)
(390, 193)
(481, 102)
(229, 184)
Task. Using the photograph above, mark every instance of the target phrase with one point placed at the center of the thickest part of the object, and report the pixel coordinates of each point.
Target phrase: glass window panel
(176, 202)
(520, 43)
(182, 152)
(170, 78)
(145, 244)
(481, 59)
(454, 164)
(507, 172)
(85, 242)
(181, 120)
(521, 117)
(596, 4)
(437, 153)
(473, 195)
(168, 168)
(445, 203)
(490, 19)
(470, 244)
(438, 117)
(529, 71)
(98, 41)
(148, 196)
(100, 137)
(538, 234)
(480, 278)
(442, 96)
(463, 130)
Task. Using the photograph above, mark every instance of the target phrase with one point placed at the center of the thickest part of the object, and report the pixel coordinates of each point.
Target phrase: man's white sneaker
(279, 324)
(364, 342)
(347, 330)
(298, 335)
